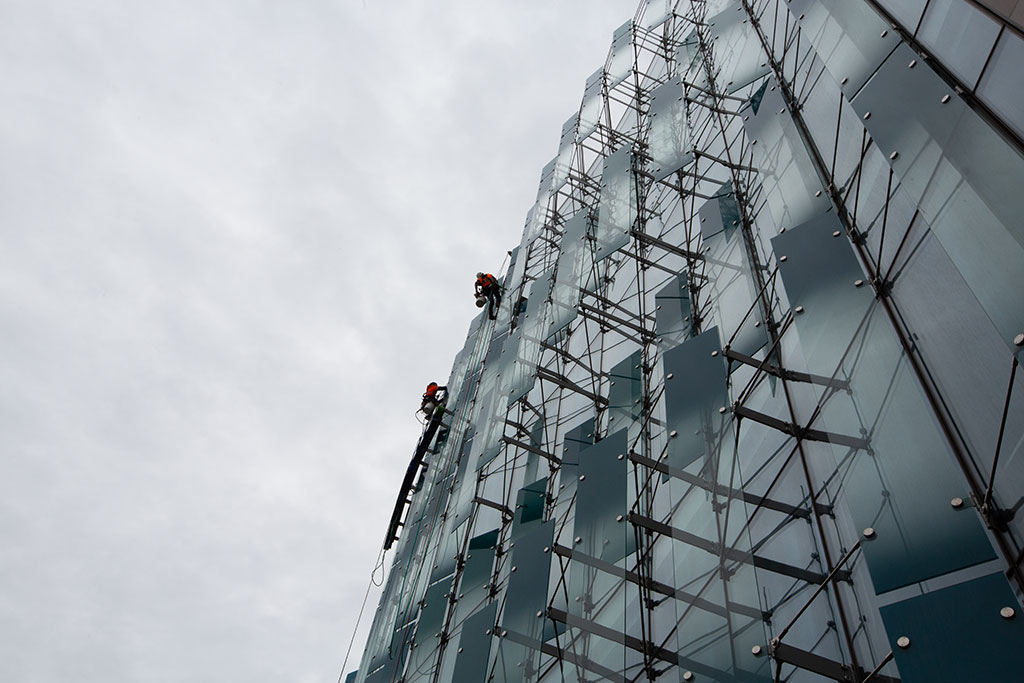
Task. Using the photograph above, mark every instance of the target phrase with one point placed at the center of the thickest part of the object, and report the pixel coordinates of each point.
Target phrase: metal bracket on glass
(531, 449)
(603, 317)
(565, 656)
(747, 557)
(553, 377)
(759, 501)
(817, 591)
(823, 666)
(659, 587)
(996, 517)
(799, 432)
(505, 512)
(783, 373)
(643, 237)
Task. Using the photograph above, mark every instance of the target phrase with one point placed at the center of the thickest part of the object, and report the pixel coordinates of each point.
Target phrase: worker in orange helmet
(433, 397)
(488, 291)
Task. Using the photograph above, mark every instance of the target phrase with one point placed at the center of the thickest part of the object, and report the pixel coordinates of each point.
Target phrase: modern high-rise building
(750, 408)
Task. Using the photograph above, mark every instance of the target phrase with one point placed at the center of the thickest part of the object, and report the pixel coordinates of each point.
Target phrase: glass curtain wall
(760, 418)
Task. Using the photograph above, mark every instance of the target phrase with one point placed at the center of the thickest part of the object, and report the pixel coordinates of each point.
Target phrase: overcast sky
(237, 238)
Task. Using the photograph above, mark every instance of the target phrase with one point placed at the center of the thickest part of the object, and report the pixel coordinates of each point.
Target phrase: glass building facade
(750, 410)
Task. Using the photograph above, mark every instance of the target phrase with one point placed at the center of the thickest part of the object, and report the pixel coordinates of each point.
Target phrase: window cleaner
(433, 397)
(488, 291)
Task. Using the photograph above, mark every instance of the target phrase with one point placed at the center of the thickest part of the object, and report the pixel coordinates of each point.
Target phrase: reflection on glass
(902, 484)
(565, 294)
(668, 140)
(618, 204)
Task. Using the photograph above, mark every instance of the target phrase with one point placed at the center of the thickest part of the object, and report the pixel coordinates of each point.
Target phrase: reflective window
(960, 36)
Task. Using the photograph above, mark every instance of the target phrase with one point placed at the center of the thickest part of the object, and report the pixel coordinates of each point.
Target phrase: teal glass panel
(792, 187)
(572, 258)
(576, 439)
(474, 646)
(902, 484)
(960, 172)
(530, 505)
(958, 633)
(525, 603)
(693, 396)
(532, 329)
(739, 58)
(625, 395)
(620, 61)
(351, 677)
(849, 37)
(618, 204)
(429, 626)
(476, 574)
(601, 499)
(592, 105)
(600, 531)
(387, 667)
(668, 139)
(672, 311)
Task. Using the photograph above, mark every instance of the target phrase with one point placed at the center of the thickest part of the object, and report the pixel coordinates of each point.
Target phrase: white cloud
(236, 240)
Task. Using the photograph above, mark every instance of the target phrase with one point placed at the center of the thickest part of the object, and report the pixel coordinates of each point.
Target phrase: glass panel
(565, 294)
(566, 147)
(693, 395)
(618, 203)
(791, 184)
(901, 484)
(429, 627)
(532, 330)
(600, 531)
(672, 311)
(906, 12)
(476, 575)
(1002, 86)
(958, 633)
(525, 599)
(849, 37)
(656, 12)
(668, 138)
(620, 62)
(474, 646)
(960, 36)
(729, 273)
(738, 54)
(625, 395)
(592, 106)
(718, 607)
(961, 173)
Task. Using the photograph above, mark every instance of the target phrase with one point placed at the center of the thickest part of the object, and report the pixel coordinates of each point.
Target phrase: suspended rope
(373, 582)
